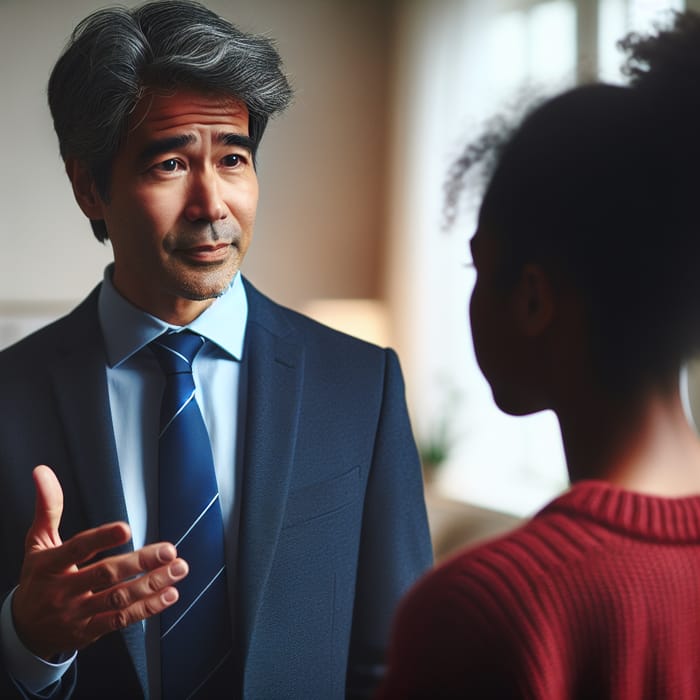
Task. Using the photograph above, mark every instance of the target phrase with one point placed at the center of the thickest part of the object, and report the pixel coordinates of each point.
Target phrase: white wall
(320, 228)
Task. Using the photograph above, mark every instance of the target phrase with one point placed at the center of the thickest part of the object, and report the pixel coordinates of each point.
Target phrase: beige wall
(320, 223)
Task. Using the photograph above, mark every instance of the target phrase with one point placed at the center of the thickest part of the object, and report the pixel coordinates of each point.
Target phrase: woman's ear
(84, 189)
(534, 301)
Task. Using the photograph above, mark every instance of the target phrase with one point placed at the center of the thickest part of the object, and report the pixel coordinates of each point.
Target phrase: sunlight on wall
(363, 318)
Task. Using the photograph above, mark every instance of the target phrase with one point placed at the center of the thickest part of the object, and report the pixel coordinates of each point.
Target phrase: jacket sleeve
(395, 544)
(10, 688)
(62, 690)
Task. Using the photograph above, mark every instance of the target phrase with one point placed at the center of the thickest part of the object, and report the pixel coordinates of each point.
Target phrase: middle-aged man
(264, 464)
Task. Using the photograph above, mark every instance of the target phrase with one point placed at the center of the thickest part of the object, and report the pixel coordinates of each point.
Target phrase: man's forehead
(158, 111)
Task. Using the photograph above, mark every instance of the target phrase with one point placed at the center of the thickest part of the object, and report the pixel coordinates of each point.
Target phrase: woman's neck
(643, 444)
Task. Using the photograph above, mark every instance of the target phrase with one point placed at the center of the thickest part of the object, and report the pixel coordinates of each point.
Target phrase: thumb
(43, 534)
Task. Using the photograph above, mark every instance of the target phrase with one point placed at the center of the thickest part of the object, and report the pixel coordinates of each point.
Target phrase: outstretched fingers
(117, 569)
(144, 587)
(137, 599)
(85, 546)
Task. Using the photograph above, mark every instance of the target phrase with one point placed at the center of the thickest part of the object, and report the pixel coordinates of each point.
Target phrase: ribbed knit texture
(598, 596)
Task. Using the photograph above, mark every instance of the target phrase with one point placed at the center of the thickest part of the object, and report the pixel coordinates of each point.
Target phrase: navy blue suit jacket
(332, 518)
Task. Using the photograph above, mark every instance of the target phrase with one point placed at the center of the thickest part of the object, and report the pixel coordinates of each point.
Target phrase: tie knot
(175, 351)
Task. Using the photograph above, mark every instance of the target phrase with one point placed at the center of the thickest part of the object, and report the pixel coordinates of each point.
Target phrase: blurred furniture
(454, 524)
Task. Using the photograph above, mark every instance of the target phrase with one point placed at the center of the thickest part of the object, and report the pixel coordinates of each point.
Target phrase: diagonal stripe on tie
(195, 632)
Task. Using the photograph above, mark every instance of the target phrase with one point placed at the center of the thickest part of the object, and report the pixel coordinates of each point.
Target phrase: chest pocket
(323, 498)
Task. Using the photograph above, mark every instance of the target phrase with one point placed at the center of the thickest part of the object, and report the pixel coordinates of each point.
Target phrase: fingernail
(165, 554)
(179, 568)
(170, 596)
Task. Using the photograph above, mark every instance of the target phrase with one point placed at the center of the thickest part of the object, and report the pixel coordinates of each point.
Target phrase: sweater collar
(649, 517)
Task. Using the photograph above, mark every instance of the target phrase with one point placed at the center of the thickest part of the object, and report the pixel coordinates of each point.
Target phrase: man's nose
(204, 199)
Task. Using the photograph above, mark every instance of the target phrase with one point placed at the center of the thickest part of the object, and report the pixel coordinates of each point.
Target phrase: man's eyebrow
(169, 143)
(237, 140)
(172, 143)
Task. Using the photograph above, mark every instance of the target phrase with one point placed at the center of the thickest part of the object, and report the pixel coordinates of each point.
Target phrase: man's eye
(169, 165)
(231, 160)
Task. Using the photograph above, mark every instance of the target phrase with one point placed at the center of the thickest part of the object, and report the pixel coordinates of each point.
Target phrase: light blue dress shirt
(135, 384)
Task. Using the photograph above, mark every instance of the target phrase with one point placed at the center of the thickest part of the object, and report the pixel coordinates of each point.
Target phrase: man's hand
(59, 607)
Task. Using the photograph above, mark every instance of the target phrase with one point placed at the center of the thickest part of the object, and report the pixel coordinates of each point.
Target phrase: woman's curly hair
(599, 184)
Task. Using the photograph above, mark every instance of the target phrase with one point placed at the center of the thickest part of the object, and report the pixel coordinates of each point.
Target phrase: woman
(587, 301)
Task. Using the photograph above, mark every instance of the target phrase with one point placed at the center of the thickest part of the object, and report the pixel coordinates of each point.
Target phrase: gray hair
(114, 55)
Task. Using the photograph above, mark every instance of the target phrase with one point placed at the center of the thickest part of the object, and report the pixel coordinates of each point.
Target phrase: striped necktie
(195, 632)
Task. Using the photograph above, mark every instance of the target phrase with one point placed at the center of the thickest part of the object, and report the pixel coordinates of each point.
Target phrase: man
(285, 578)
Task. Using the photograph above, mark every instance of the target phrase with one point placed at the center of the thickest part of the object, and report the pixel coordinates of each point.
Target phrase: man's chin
(205, 291)
(206, 296)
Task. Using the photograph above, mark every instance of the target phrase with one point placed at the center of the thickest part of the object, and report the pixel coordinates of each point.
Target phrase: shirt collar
(127, 329)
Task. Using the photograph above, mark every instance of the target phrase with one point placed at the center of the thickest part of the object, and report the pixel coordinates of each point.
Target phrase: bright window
(616, 18)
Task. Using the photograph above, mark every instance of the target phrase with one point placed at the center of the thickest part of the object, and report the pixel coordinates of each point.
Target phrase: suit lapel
(80, 386)
(273, 367)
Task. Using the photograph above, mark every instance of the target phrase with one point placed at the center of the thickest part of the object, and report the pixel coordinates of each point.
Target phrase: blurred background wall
(349, 222)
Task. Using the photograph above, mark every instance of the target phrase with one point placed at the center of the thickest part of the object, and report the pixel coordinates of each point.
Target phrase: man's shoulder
(53, 337)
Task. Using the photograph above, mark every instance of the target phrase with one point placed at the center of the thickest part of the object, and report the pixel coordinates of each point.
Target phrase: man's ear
(534, 301)
(84, 189)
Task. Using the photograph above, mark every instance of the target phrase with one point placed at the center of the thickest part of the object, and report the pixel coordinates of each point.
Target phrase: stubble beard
(201, 283)
(205, 281)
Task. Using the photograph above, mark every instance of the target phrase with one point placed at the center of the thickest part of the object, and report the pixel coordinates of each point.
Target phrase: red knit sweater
(598, 596)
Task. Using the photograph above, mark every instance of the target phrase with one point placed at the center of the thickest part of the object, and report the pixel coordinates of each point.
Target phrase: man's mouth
(208, 253)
